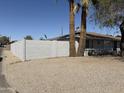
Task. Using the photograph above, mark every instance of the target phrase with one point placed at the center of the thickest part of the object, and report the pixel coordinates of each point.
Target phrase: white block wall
(35, 49)
(18, 48)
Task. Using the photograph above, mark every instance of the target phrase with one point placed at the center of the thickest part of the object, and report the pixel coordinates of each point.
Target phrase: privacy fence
(35, 49)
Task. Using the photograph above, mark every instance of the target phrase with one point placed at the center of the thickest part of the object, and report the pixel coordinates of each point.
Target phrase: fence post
(24, 49)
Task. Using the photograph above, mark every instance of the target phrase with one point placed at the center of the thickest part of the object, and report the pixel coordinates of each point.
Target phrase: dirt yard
(67, 75)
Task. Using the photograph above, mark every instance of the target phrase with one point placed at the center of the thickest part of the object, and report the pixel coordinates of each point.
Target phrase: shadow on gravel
(1, 60)
(4, 86)
(3, 82)
(120, 59)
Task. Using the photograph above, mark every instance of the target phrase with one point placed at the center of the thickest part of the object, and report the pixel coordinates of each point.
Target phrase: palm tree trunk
(72, 50)
(122, 39)
(82, 40)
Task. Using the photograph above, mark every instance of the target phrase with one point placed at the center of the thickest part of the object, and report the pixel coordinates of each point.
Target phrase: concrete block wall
(18, 49)
(40, 49)
(36, 49)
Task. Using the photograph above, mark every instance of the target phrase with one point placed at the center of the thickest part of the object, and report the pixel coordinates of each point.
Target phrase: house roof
(89, 35)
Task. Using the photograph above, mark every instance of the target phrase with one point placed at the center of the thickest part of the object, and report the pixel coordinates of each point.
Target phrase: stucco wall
(45, 49)
(17, 49)
(35, 49)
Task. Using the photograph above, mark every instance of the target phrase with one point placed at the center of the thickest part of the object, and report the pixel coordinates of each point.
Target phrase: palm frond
(76, 8)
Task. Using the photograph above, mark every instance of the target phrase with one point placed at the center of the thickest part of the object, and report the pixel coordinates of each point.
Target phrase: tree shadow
(1, 51)
(121, 59)
(3, 81)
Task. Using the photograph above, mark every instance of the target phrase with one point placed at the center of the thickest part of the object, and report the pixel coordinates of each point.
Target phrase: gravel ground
(67, 75)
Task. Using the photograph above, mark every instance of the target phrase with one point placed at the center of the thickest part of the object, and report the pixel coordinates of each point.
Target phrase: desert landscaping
(66, 75)
(62, 46)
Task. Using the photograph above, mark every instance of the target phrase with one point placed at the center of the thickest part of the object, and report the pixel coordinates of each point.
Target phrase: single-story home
(95, 40)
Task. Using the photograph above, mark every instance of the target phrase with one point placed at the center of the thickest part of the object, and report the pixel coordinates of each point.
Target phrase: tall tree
(110, 13)
(72, 49)
(84, 9)
(4, 40)
(72, 52)
(28, 37)
(122, 39)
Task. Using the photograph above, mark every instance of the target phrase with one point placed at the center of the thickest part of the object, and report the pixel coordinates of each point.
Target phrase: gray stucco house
(95, 41)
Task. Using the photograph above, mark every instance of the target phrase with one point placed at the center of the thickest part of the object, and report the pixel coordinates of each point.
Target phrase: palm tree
(82, 40)
(72, 52)
(109, 13)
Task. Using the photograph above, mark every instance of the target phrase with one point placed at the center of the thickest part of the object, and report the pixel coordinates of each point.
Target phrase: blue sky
(19, 18)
